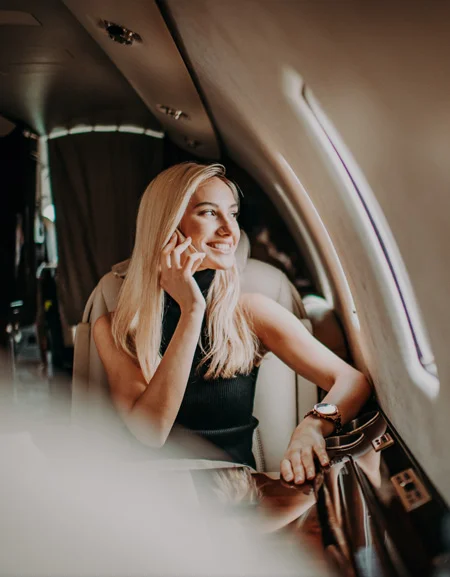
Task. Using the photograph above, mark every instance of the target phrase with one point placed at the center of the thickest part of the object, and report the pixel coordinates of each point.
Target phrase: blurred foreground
(76, 502)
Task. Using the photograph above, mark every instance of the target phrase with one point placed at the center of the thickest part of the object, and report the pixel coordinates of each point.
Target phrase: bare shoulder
(102, 329)
(258, 298)
(262, 310)
(269, 316)
(255, 303)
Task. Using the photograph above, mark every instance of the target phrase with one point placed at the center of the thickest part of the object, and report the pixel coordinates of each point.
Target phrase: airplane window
(382, 234)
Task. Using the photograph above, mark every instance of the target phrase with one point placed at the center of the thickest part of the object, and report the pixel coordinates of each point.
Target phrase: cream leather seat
(282, 397)
(326, 325)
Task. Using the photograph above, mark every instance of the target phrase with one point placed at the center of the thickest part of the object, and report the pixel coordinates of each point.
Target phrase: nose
(226, 226)
(225, 230)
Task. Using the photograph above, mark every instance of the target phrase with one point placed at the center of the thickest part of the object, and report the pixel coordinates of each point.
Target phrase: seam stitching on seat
(280, 276)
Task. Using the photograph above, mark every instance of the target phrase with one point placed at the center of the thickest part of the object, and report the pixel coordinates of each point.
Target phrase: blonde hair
(236, 486)
(231, 346)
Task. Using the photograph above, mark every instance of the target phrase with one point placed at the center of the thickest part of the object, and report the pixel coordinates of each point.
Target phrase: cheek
(190, 227)
(196, 230)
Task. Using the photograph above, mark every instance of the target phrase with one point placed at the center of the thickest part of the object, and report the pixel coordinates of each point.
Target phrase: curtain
(17, 254)
(97, 180)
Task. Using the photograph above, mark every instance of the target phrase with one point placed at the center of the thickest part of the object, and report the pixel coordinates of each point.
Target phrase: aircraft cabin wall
(377, 70)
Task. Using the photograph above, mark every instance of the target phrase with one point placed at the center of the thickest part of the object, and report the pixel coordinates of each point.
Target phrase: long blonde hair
(231, 346)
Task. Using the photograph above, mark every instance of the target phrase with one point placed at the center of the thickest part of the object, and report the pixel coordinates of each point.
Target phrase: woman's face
(211, 221)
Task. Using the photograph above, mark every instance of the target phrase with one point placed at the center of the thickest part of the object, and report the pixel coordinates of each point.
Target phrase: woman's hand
(307, 442)
(177, 269)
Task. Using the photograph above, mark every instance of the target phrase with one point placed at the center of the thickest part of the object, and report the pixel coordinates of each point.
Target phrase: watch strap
(335, 419)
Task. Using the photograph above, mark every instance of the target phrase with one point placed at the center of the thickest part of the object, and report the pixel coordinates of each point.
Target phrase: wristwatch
(329, 412)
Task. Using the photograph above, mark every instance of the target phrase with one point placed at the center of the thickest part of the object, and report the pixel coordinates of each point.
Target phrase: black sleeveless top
(219, 410)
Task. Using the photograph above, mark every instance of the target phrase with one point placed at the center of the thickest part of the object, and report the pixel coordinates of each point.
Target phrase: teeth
(221, 246)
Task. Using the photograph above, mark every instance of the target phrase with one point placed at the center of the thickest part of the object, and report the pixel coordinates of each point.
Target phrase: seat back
(326, 326)
(281, 397)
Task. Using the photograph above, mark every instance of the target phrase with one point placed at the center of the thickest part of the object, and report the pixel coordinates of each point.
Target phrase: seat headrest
(242, 254)
(326, 326)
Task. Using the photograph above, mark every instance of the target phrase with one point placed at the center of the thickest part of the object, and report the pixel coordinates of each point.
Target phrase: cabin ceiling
(54, 75)
(59, 68)
(153, 67)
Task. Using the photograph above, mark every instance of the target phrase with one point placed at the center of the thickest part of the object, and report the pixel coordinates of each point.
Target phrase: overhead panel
(17, 18)
(153, 66)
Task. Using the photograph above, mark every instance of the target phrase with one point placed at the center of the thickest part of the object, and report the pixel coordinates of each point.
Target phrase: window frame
(382, 234)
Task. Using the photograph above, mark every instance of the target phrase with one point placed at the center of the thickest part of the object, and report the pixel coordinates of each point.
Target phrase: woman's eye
(209, 211)
(235, 214)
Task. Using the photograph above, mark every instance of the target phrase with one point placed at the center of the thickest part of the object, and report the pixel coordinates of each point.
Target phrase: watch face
(326, 408)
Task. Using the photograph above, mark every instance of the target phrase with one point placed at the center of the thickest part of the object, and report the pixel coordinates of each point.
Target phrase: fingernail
(298, 479)
(288, 477)
(310, 474)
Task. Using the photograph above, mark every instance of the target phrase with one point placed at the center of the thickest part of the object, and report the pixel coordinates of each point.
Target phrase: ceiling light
(119, 33)
(175, 113)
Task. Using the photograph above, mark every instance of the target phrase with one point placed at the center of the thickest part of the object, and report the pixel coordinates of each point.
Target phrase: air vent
(119, 33)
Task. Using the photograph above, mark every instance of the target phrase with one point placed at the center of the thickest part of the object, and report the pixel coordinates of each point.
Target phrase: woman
(184, 344)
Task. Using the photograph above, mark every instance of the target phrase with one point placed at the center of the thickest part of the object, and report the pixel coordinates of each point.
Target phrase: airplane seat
(281, 396)
(326, 326)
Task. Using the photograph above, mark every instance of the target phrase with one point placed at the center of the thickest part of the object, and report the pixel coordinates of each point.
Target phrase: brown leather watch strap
(336, 420)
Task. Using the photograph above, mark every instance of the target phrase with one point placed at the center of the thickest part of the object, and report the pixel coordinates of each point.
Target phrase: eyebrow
(213, 204)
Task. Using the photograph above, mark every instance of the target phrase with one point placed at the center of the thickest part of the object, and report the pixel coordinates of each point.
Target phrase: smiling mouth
(223, 248)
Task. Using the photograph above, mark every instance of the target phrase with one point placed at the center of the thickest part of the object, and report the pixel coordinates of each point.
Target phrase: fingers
(197, 263)
(306, 455)
(299, 466)
(178, 251)
(192, 262)
(170, 245)
(171, 253)
(322, 454)
(167, 250)
(286, 470)
(293, 468)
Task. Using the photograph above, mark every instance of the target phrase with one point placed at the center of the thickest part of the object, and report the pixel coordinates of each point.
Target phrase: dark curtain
(97, 180)
(270, 239)
(17, 254)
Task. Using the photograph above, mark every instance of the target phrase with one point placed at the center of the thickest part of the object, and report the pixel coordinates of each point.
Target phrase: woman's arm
(149, 410)
(284, 335)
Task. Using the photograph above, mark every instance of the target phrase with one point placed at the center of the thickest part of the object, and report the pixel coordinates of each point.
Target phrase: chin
(220, 264)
